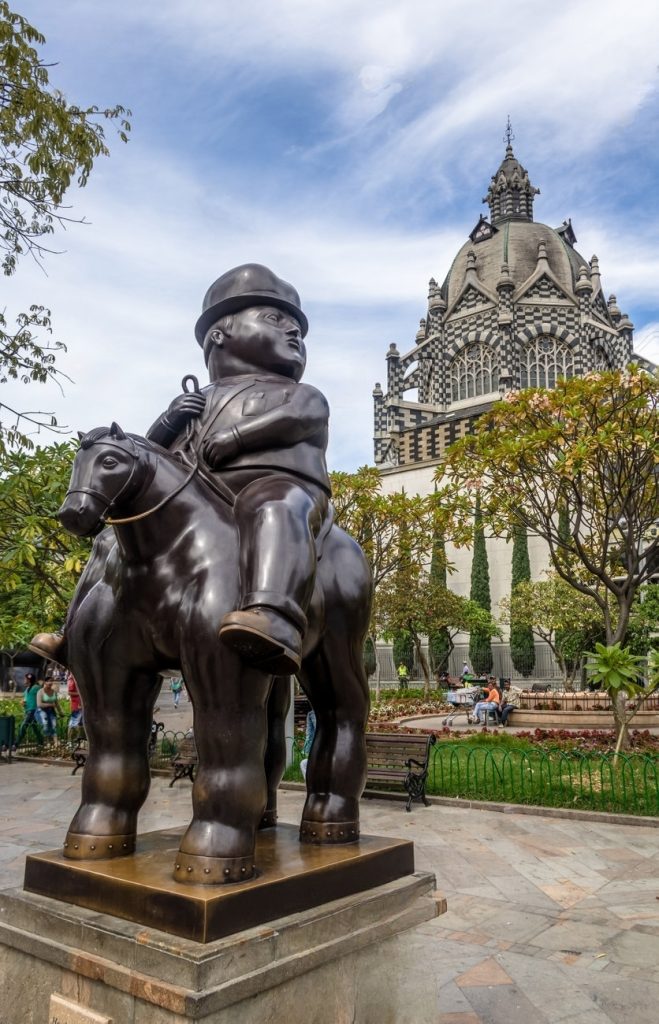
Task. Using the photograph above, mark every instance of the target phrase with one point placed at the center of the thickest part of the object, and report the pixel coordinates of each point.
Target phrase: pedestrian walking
(31, 717)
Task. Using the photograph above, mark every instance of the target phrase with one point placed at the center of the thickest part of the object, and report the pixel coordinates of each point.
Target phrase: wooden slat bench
(399, 757)
(184, 760)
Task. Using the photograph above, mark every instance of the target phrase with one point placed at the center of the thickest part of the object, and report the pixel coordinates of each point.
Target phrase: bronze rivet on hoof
(313, 833)
(125, 845)
(75, 846)
(253, 867)
(177, 866)
(226, 871)
(243, 870)
(189, 870)
(207, 871)
(65, 845)
(92, 846)
(109, 846)
(329, 833)
(340, 833)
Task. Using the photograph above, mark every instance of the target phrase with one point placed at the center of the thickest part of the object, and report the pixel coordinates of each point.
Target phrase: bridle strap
(150, 511)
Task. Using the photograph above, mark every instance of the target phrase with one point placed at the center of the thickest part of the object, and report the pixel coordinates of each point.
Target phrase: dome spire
(510, 194)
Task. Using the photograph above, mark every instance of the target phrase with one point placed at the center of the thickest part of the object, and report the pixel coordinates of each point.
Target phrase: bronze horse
(151, 598)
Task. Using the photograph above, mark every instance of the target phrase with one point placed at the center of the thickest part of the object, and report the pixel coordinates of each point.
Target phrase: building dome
(516, 243)
(519, 307)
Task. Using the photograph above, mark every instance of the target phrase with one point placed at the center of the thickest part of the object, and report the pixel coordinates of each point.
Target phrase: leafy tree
(403, 653)
(440, 642)
(480, 646)
(370, 660)
(566, 620)
(39, 561)
(46, 145)
(643, 635)
(590, 447)
(393, 529)
(414, 606)
(522, 648)
(616, 670)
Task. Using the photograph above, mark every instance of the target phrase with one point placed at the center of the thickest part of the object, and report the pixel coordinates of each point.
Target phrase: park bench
(398, 757)
(81, 749)
(184, 760)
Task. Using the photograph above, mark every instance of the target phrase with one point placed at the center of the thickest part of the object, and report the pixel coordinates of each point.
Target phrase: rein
(156, 508)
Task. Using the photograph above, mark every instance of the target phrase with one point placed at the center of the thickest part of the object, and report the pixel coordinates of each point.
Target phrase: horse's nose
(70, 516)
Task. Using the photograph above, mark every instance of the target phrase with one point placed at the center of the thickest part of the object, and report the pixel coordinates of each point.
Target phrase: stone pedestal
(355, 960)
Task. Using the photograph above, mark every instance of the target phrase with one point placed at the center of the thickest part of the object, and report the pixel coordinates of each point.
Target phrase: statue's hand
(184, 408)
(220, 447)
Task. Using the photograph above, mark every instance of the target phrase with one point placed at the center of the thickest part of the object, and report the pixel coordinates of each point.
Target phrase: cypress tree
(403, 652)
(522, 648)
(480, 644)
(370, 663)
(440, 644)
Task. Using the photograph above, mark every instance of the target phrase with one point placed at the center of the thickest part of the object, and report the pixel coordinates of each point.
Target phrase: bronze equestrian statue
(222, 559)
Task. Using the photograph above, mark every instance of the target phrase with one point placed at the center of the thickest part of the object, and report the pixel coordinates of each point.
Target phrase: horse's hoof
(87, 847)
(196, 870)
(324, 832)
(268, 819)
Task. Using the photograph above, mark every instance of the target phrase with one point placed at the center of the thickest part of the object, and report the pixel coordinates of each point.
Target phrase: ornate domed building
(519, 307)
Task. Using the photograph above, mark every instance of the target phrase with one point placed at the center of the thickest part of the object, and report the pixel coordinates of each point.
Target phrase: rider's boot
(50, 645)
(264, 638)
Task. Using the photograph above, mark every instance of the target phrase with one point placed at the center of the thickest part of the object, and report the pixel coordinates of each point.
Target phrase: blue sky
(348, 146)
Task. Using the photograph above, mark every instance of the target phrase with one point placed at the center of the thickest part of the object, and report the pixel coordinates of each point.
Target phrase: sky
(347, 144)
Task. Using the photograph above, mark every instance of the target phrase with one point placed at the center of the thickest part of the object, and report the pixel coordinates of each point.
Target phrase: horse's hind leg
(275, 751)
(335, 682)
(118, 707)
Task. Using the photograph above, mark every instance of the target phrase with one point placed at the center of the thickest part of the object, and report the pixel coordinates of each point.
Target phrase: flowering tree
(586, 452)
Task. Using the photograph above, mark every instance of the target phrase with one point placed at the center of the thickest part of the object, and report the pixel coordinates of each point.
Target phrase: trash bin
(7, 729)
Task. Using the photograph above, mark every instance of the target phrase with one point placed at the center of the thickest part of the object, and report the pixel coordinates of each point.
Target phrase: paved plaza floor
(549, 919)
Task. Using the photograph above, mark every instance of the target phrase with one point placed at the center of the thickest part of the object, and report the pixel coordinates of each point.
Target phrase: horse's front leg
(118, 707)
(229, 794)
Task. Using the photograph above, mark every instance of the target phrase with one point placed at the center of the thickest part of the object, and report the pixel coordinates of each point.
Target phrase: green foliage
(614, 668)
(370, 662)
(480, 647)
(440, 643)
(568, 621)
(575, 465)
(39, 561)
(403, 650)
(47, 144)
(522, 647)
(643, 633)
(392, 529)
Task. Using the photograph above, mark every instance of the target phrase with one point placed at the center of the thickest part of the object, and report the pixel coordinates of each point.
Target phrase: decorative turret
(436, 301)
(421, 333)
(510, 195)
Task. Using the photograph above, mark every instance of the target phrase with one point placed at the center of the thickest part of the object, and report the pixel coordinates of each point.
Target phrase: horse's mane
(98, 433)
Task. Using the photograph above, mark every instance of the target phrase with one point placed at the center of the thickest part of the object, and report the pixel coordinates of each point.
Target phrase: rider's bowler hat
(248, 285)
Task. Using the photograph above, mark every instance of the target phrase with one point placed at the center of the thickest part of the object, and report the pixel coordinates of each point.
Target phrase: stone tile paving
(550, 920)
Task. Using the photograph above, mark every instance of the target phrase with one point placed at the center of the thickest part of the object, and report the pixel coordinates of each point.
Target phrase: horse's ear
(117, 432)
(81, 434)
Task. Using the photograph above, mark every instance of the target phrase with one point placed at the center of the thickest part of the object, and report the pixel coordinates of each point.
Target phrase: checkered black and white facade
(520, 307)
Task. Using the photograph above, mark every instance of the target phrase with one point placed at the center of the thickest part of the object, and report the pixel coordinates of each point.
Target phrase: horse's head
(106, 472)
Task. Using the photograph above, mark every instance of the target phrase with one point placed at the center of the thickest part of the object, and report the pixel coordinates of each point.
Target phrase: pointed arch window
(545, 360)
(474, 371)
(600, 358)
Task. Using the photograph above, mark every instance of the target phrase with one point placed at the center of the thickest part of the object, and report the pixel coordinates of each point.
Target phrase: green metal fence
(550, 778)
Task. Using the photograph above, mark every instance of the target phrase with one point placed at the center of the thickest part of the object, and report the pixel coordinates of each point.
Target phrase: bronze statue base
(291, 877)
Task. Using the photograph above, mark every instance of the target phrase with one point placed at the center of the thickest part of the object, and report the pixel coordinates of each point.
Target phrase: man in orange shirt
(492, 700)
